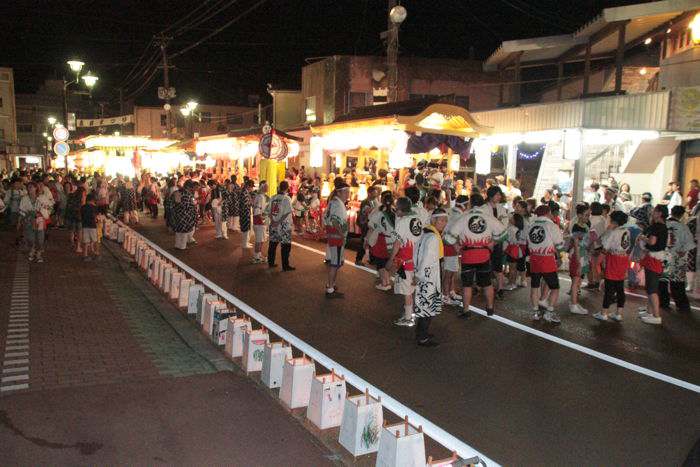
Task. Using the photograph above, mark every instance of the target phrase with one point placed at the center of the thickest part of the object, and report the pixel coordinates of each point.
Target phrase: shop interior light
(185, 111)
(338, 160)
(292, 149)
(362, 192)
(572, 144)
(316, 152)
(51, 120)
(695, 29)
(643, 71)
(482, 154)
(325, 189)
(192, 105)
(454, 162)
(647, 41)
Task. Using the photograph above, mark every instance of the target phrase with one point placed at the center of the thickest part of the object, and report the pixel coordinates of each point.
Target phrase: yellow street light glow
(192, 105)
(90, 80)
(185, 111)
(75, 65)
(51, 120)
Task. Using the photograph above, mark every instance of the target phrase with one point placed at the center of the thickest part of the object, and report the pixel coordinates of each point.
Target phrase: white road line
(16, 354)
(563, 342)
(632, 294)
(14, 387)
(11, 379)
(17, 343)
(21, 361)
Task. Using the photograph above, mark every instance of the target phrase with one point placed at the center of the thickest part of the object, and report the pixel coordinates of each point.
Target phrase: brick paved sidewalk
(89, 324)
(115, 374)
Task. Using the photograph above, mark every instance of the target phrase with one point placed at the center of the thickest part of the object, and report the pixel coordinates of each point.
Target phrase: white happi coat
(428, 295)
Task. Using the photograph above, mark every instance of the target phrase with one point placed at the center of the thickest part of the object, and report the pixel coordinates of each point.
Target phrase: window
(234, 119)
(2, 134)
(358, 99)
(163, 120)
(310, 109)
(206, 117)
(462, 101)
(24, 128)
(0, 102)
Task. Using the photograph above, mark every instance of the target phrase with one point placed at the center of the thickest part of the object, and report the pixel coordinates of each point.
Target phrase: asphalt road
(516, 397)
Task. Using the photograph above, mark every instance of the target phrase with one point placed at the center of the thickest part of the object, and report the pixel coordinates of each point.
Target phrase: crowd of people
(431, 244)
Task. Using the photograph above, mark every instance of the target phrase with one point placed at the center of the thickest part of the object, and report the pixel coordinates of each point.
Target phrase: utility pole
(392, 52)
(163, 43)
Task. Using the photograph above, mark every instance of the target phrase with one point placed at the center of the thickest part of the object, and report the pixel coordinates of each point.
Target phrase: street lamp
(52, 121)
(90, 80)
(76, 65)
(188, 110)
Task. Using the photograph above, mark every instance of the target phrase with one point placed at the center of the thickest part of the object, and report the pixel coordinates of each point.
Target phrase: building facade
(205, 121)
(8, 118)
(335, 85)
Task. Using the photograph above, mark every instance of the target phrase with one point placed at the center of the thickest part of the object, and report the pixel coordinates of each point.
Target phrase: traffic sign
(60, 133)
(61, 148)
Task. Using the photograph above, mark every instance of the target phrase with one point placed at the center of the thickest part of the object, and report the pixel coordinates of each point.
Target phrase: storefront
(260, 156)
(127, 155)
(626, 138)
(367, 144)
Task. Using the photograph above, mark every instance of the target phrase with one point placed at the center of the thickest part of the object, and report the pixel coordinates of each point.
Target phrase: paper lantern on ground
(362, 423)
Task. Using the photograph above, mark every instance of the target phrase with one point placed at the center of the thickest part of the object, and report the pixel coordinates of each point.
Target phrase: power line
(479, 21)
(216, 9)
(532, 15)
(218, 30)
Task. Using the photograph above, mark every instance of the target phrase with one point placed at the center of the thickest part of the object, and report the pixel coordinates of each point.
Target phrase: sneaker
(427, 343)
(31, 257)
(489, 312)
(537, 315)
(403, 321)
(600, 316)
(543, 304)
(577, 309)
(616, 317)
(455, 296)
(256, 261)
(450, 302)
(642, 311)
(383, 288)
(510, 287)
(335, 294)
(464, 314)
(499, 294)
(289, 268)
(651, 319)
(39, 259)
(551, 317)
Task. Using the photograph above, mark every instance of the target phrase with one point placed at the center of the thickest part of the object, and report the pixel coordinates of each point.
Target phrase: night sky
(268, 45)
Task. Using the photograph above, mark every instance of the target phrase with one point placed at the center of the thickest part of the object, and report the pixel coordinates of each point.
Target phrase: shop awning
(412, 117)
(648, 155)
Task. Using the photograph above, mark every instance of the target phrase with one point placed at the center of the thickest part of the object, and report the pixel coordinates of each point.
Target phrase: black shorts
(380, 263)
(481, 272)
(550, 278)
(497, 258)
(520, 263)
(651, 281)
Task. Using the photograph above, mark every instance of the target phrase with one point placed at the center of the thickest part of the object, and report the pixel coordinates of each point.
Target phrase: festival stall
(371, 141)
(127, 155)
(260, 154)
